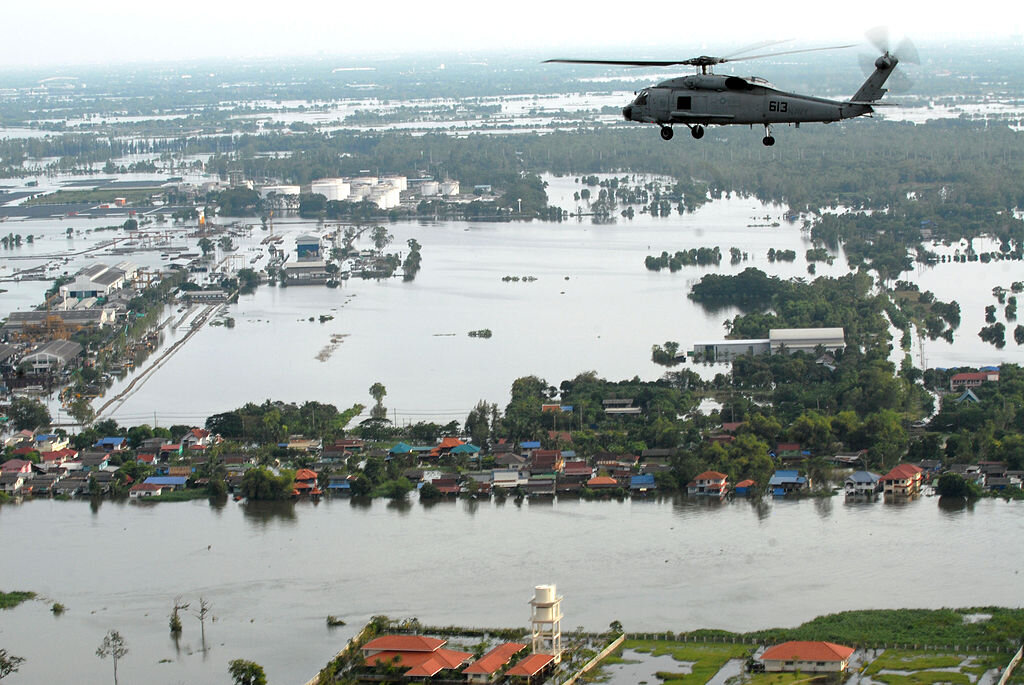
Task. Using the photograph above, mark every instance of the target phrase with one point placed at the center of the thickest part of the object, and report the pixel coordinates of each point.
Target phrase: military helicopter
(706, 98)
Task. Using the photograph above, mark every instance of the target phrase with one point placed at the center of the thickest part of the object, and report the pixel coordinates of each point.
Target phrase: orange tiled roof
(807, 651)
(420, 664)
(531, 665)
(305, 474)
(602, 480)
(710, 475)
(902, 472)
(496, 658)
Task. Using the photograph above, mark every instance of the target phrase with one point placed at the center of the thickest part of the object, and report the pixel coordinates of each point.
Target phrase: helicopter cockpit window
(641, 99)
(684, 102)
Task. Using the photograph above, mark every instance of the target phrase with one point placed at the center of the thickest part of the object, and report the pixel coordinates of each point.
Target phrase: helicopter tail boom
(872, 89)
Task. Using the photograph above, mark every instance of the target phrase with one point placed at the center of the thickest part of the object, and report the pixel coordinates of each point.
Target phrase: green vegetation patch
(707, 658)
(9, 600)
(180, 496)
(936, 627)
(923, 677)
(62, 197)
(911, 660)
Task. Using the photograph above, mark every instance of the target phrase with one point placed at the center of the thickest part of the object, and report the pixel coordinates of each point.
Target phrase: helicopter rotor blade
(786, 52)
(756, 46)
(617, 62)
(879, 37)
(907, 52)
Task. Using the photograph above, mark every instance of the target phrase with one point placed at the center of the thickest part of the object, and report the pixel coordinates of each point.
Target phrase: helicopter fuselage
(706, 99)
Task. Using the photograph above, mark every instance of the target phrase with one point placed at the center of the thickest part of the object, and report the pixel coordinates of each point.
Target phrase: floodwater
(273, 573)
(593, 306)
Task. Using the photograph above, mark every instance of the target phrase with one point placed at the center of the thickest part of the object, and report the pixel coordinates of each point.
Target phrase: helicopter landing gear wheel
(768, 139)
(697, 131)
(667, 133)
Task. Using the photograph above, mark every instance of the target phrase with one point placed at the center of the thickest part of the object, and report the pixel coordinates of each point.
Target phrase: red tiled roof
(305, 474)
(496, 658)
(147, 487)
(710, 475)
(59, 455)
(807, 651)
(602, 481)
(902, 472)
(970, 376)
(788, 447)
(22, 451)
(746, 483)
(449, 443)
(577, 468)
(530, 666)
(404, 643)
(420, 664)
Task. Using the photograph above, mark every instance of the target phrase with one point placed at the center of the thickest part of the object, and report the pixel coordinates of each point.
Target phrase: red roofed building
(58, 457)
(807, 657)
(147, 490)
(972, 380)
(602, 483)
(446, 446)
(546, 461)
(709, 484)
(486, 668)
(533, 669)
(306, 483)
(422, 657)
(903, 480)
(16, 466)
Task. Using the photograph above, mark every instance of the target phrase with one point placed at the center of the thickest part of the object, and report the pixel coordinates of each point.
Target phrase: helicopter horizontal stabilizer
(872, 103)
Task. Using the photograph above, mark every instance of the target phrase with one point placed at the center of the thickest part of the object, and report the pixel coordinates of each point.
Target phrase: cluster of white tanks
(446, 188)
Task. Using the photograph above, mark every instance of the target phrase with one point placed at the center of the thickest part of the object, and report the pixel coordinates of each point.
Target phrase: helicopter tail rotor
(904, 53)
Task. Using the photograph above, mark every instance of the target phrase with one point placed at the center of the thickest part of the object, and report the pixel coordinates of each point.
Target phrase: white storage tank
(400, 182)
(429, 188)
(449, 188)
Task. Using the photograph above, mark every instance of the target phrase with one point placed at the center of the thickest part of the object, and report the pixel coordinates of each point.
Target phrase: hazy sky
(60, 32)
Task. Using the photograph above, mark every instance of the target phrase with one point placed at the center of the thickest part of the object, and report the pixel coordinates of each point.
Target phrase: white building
(806, 339)
(448, 187)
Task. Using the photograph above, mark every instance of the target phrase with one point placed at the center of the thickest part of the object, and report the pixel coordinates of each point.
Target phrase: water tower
(546, 621)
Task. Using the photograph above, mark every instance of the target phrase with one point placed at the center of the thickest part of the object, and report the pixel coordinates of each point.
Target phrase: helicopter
(706, 98)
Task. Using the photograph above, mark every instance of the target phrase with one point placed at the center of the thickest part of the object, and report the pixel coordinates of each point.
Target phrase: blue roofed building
(642, 484)
(785, 482)
(175, 482)
(111, 444)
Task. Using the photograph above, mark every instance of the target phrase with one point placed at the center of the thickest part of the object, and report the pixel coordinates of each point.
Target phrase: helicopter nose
(627, 112)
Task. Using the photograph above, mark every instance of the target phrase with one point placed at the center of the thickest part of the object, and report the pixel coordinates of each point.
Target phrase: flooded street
(273, 573)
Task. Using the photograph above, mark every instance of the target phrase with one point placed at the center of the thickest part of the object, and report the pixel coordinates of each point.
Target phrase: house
(306, 484)
(421, 657)
(642, 484)
(169, 482)
(903, 480)
(602, 483)
(57, 457)
(339, 485)
(577, 472)
(507, 479)
(807, 657)
(618, 407)
(197, 437)
(546, 461)
(14, 482)
(16, 466)
(541, 486)
(510, 460)
(527, 447)
(52, 357)
(708, 484)
(50, 442)
(745, 487)
(786, 482)
(862, 483)
(533, 669)
(112, 444)
(447, 486)
(486, 669)
(94, 461)
(143, 490)
(973, 379)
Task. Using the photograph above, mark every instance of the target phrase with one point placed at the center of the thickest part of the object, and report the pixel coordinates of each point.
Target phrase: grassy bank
(9, 600)
(964, 628)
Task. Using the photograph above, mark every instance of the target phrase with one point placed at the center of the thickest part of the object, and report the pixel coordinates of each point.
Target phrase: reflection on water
(267, 512)
(956, 505)
(272, 570)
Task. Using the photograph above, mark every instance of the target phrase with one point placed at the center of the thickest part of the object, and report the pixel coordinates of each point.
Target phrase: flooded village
(333, 377)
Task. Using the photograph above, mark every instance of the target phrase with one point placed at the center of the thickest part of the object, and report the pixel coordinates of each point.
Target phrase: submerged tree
(9, 663)
(115, 647)
(247, 672)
